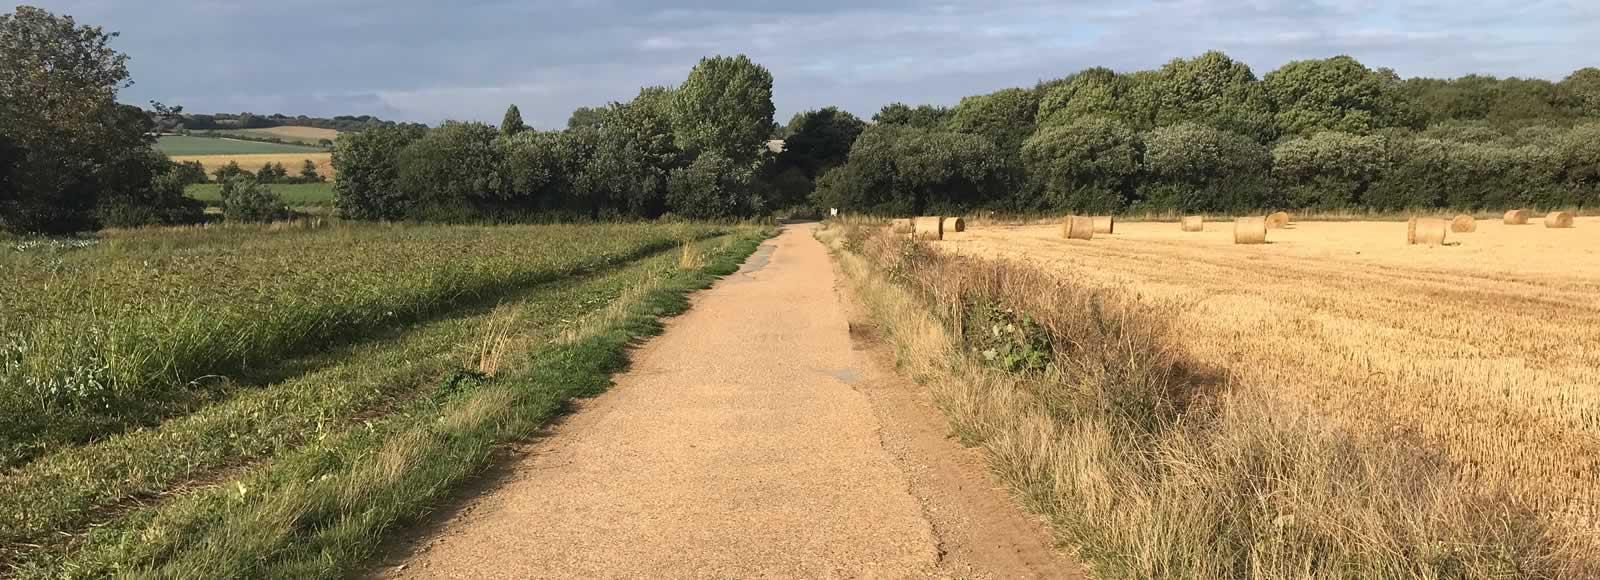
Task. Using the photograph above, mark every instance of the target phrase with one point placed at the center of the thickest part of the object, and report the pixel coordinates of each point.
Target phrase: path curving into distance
(755, 438)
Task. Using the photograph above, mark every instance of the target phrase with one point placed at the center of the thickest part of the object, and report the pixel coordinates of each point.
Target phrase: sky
(428, 61)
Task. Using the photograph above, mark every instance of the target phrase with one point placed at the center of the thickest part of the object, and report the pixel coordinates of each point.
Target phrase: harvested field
(1485, 350)
(291, 161)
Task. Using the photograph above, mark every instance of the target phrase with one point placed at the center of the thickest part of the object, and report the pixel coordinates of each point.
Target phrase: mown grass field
(266, 401)
(294, 194)
(183, 145)
(309, 136)
(1334, 404)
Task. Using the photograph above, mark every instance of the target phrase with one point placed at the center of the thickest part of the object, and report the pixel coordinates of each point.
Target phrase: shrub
(450, 168)
(246, 200)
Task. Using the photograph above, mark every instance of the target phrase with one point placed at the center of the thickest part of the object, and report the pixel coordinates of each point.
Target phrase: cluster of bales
(1246, 230)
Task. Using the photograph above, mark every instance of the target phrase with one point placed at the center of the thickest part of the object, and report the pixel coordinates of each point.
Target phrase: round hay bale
(1426, 231)
(1516, 217)
(1078, 228)
(1193, 223)
(1250, 230)
(1463, 224)
(954, 224)
(902, 226)
(1278, 221)
(1105, 225)
(1558, 219)
(928, 228)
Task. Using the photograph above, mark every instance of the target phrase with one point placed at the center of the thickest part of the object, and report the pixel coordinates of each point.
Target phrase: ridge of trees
(1206, 134)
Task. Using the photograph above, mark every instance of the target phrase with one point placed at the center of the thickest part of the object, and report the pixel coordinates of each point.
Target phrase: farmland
(1367, 397)
(309, 136)
(294, 194)
(153, 433)
(254, 162)
(186, 146)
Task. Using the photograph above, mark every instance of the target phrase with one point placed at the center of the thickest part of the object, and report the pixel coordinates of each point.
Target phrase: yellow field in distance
(292, 161)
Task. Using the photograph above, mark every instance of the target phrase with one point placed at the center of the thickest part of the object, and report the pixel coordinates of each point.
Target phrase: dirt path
(755, 438)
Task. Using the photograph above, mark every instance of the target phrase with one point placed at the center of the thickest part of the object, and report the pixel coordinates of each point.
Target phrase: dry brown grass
(1345, 327)
(1265, 412)
(253, 163)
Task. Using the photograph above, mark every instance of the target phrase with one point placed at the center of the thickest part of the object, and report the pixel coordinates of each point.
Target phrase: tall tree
(920, 116)
(819, 140)
(1583, 87)
(725, 106)
(1339, 94)
(586, 117)
(58, 89)
(512, 123)
(1006, 117)
(1213, 89)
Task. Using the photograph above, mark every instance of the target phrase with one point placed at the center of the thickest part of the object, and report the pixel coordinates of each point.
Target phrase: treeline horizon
(1205, 134)
(1202, 134)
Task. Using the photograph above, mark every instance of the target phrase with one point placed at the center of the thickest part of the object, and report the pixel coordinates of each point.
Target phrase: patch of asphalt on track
(734, 447)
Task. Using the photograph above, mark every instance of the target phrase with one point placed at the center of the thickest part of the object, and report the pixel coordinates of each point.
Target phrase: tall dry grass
(1159, 465)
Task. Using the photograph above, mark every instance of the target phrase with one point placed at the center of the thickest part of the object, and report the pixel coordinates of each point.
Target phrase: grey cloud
(428, 61)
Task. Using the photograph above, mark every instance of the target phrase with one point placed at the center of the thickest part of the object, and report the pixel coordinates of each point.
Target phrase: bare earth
(756, 438)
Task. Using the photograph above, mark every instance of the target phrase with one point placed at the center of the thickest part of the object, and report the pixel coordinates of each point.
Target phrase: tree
(1583, 88)
(1213, 89)
(58, 110)
(920, 116)
(308, 173)
(900, 170)
(512, 123)
(1194, 168)
(367, 168)
(712, 187)
(1339, 94)
(191, 172)
(1090, 165)
(1093, 92)
(725, 106)
(450, 173)
(820, 139)
(585, 117)
(230, 171)
(147, 189)
(1328, 170)
(1006, 117)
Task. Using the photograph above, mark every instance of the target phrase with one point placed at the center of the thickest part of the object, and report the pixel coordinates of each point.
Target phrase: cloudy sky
(467, 59)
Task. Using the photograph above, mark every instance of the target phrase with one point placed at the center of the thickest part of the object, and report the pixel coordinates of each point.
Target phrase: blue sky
(429, 61)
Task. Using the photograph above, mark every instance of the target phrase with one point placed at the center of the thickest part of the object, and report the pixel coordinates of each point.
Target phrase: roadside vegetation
(1158, 465)
(336, 401)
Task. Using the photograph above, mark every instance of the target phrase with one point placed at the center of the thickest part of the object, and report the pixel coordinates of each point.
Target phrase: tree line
(697, 151)
(1196, 135)
(1206, 134)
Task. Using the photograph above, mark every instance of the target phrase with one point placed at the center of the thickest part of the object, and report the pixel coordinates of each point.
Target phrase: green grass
(302, 478)
(145, 325)
(297, 194)
(186, 145)
(262, 133)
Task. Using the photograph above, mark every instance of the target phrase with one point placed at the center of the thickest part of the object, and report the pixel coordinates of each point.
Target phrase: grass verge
(1157, 468)
(320, 510)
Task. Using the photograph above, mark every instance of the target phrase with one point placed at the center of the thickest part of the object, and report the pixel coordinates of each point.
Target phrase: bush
(192, 172)
(230, 171)
(163, 203)
(246, 200)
